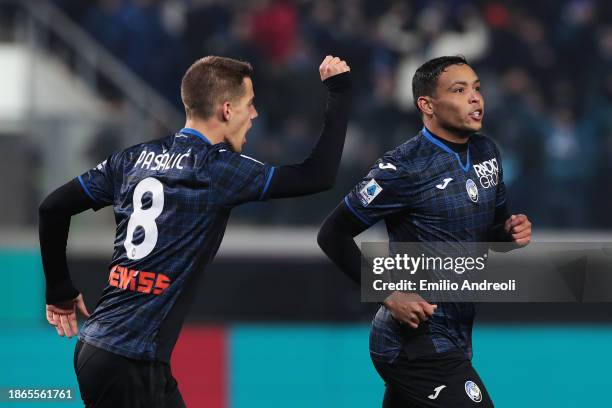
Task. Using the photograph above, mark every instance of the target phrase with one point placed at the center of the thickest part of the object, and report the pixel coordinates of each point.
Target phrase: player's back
(172, 198)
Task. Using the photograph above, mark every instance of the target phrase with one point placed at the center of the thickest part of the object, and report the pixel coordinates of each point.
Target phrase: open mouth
(476, 115)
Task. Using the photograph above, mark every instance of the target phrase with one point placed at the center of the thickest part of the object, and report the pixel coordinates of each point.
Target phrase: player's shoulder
(221, 155)
(412, 148)
(410, 157)
(484, 148)
(131, 153)
(398, 164)
(483, 142)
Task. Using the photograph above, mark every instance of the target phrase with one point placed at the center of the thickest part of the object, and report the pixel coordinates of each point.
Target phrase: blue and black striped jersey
(425, 193)
(172, 198)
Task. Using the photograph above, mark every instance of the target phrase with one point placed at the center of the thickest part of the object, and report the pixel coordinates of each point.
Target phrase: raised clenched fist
(332, 66)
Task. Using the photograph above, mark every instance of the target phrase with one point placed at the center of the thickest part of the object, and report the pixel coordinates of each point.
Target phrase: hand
(63, 316)
(520, 228)
(332, 66)
(409, 308)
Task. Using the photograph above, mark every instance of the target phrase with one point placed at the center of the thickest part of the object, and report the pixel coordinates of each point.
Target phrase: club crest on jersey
(472, 390)
(472, 190)
(369, 192)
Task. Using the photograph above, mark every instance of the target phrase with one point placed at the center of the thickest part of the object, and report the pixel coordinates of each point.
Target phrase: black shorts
(444, 380)
(110, 380)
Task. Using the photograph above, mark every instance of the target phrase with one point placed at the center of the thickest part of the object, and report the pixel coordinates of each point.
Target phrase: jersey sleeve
(98, 183)
(237, 179)
(383, 192)
(500, 194)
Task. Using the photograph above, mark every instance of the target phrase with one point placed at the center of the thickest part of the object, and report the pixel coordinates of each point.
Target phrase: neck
(452, 136)
(208, 128)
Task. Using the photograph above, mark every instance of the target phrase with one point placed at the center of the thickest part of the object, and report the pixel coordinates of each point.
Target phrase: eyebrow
(463, 83)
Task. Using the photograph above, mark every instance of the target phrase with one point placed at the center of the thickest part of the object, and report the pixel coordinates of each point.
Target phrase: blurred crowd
(546, 70)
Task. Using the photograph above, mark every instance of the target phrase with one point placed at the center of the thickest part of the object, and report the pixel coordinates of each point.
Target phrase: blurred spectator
(274, 28)
(546, 70)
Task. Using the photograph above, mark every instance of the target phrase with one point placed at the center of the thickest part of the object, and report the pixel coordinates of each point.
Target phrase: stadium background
(274, 323)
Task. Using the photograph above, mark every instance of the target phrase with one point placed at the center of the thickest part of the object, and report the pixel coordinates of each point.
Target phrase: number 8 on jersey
(144, 218)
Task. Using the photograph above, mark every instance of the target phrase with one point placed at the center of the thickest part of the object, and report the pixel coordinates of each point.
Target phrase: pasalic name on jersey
(162, 161)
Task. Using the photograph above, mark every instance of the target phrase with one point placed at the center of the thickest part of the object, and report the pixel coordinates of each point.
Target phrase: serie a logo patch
(369, 192)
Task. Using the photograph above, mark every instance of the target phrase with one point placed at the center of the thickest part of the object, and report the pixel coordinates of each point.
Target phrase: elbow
(321, 238)
(325, 236)
(327, 183)
(46, 208)
(318, 187)
(51, 207)
(323, 176)
(329, 235)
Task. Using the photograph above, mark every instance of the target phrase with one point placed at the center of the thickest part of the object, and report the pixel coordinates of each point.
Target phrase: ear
(425, 105)
(226, 110)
